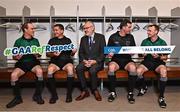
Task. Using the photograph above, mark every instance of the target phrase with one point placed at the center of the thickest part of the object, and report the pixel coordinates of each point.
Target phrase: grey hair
(90, 23)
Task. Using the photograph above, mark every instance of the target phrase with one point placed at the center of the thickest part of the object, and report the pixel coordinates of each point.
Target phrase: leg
(70, 80)
(131, 68)
(93, 73)
(93, 76)
(39, 84)
(16, 89)
(52, 68)
(113, 66)
(162, 70)
(80, 69)
(143, 87)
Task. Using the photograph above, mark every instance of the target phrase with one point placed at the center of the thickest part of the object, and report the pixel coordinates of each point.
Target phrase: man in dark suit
(91, 58)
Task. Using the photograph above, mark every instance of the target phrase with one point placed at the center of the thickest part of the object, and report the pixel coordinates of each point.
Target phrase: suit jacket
(97, 49)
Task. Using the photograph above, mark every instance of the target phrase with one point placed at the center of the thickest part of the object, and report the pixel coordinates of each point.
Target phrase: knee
(163, 72)
(39, 72)
(132, 68)
(111, 67)
(50, 69)
(139, 71)
(14, 76)
(70, 69)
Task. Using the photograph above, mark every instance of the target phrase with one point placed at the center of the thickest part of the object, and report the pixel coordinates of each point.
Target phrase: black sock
(131, 83)
(162, 86)
(70, 81)
(52, 86)
(16, 89)
(112, 83)
(39, 86)
(142, 83)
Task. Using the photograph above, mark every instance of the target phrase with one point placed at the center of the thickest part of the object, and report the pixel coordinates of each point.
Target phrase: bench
(173, 72)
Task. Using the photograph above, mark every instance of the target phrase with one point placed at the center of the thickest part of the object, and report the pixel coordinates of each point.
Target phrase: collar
(27, 39)
(154, 41)
(92, 36)
(61, 37)
(117, 33)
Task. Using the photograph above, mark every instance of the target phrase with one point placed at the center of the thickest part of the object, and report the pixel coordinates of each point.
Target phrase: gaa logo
(111, 50)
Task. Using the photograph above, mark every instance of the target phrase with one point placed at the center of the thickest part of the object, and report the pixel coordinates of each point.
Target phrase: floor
(148, 102)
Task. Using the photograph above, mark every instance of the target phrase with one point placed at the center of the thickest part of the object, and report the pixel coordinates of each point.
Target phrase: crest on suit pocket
(116, 43)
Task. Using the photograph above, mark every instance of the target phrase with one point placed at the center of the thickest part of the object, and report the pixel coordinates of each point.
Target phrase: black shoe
(142, 91)
(14, 102)
(111, 97)
(130, 98)
(53, 99)
(38, 99)
(162, 102)
(68, 98)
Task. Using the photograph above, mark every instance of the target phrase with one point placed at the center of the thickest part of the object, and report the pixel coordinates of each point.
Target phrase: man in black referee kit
(122, 61)
(60, 61)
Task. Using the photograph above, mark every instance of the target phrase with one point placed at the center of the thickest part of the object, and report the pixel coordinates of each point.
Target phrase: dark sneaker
(53, 99)
(14, 102)
(162, 102)
(142, 91)
(130, 98)
(68, 98)
(38, 99)
(111, 96)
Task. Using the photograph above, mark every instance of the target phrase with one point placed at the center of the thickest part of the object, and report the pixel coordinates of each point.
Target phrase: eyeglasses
(87, 27)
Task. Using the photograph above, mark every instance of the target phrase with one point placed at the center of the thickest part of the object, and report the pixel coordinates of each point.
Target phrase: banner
(139, 49)
(37, 50)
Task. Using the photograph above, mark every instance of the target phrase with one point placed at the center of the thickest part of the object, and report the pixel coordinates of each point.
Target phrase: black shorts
(61, 63)
(27, 66)
(122, 62)
(152, 65)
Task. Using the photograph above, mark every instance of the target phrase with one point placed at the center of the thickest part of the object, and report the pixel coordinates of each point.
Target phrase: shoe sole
(53, 102)
(68, 101)
(38, 102)
(110, 100)
(14, 105)
(131, 102)
(140, 94)
(83, 98)
(163, 106)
